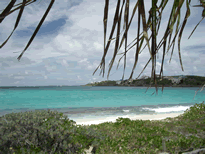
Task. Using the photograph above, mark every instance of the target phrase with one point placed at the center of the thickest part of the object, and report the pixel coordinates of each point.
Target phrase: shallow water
(96, 102)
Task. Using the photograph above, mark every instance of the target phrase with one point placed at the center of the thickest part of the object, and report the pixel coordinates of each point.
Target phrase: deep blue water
(78, 101)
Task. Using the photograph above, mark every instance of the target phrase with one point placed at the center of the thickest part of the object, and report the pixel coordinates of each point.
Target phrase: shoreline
(140, 86)
(87, 122)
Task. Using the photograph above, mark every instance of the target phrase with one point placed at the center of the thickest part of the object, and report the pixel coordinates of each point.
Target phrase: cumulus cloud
(69, 46)
(18, 77)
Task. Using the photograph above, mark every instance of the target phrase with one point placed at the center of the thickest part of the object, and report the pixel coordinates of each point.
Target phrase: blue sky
(69, 45)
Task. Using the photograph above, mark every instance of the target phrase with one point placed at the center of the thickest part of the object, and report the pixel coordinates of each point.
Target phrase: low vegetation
(193, 80)
(52, 132)
(187, 81)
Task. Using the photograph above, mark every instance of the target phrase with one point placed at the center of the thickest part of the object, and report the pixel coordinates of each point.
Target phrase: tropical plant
(153, 23)
(47, 131)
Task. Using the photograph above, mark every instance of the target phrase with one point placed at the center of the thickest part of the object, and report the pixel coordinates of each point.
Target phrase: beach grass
(173, 135)
(144, 136)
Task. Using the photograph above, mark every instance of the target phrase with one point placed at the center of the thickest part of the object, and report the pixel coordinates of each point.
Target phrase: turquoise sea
(82, 102)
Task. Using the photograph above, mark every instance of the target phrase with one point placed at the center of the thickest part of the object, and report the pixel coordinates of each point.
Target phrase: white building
(144, 77)
(118, 82)
(130, 80)
(176, 80)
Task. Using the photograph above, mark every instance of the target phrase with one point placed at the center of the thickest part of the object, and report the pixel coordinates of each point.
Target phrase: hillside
(173, 81)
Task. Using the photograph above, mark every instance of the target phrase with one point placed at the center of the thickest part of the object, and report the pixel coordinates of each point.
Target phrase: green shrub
(30, 133)
(45, 132)
(195, 112)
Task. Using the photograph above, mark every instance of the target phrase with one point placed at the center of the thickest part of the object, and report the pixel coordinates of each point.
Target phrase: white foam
(169, 109)
(126, 110)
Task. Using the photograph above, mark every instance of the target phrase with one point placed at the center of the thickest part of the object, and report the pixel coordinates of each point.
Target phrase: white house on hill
(144, 77)
(176, 79)
(118, 82)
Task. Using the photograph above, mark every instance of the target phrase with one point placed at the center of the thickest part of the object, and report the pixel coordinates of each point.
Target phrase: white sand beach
(132, 117)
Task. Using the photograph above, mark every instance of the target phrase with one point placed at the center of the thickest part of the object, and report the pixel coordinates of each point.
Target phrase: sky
(69, 45)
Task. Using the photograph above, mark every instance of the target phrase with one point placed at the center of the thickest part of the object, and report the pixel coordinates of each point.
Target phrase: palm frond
(23, 3)
(137, 48)
(21, 6)
(153, 23)
(126, 17)
(37, 29)
(7, 9)
(203, 15)
(112, 31)
(154, 38)
(17, 21)
(117, 40)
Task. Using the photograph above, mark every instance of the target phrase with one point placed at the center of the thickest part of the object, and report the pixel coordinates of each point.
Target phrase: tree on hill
(153, 23)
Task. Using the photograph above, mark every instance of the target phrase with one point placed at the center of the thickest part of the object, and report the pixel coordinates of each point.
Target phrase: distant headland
(144, 81)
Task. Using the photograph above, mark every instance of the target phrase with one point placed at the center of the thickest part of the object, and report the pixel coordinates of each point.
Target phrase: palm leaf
(38, 27)
(105, 20)
(112, 31)
(126, 17)
(168, 30)
(23, 3)
(133, 13)
(203, 15)
(153, 22)
(177, 30)
(137, 48)
(137, 37)
(180, 33)
(142, 39)
(117, 41)
(7, 9)
(154, 37)
(17, 21)
(142, 12)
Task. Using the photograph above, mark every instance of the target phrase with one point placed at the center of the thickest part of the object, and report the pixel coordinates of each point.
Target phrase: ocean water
(97, 102)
